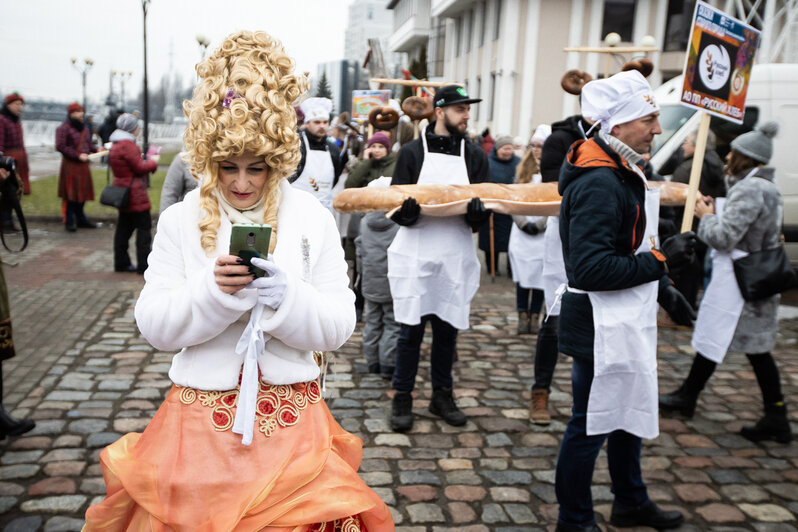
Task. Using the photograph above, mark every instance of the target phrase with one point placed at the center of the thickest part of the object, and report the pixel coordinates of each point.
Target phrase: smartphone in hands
(250, 240)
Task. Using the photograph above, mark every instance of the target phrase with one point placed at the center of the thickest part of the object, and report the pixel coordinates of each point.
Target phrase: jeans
(522, 300)
(141, 222)
(577, 460)
(546, 353)
(408, 346)
(380, 334)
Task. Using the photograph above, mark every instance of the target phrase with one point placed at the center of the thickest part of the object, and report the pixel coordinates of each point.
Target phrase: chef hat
(316, 109)
(619, 99)
(541, 133)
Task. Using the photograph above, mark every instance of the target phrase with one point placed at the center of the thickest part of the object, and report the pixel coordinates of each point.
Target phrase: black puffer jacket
(563, 134)
(602, 222)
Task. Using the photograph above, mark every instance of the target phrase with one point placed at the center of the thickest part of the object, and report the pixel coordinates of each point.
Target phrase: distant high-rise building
(370, 19)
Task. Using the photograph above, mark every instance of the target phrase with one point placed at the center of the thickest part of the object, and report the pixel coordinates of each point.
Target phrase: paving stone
(36, 442)
(498, 440)
(61, 503)
(419, 477)
(61, 455)
(721, 513)
(425, 513)
(53, 485)
(18, 471)
(24, 524)
(392, 440)
(102, 439)
(493, 513)
(10, 488)
(21, 457)
(6, 503)
(520, 514)
(70, 468)
(418, 493)
(770, 513)
(465, 493)
(460, 512)
(696, 493)
(88, 426)
(51, 426)
(507, 494)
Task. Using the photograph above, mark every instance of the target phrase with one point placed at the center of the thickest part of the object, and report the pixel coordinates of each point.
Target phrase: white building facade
(510, 52)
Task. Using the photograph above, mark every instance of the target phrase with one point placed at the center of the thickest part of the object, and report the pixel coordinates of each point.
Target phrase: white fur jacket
(181, 307)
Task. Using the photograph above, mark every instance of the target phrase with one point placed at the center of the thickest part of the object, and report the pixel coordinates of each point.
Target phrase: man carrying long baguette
(433, 268)
(616, 276)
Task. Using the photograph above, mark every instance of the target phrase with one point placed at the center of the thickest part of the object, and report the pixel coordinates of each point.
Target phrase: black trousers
(408, 346)
(546, 353)
(141, 222)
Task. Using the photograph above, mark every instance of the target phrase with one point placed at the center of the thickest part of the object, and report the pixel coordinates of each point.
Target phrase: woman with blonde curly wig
(243, 440)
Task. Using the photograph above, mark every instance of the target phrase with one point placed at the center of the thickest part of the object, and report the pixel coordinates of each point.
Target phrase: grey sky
(38, 38)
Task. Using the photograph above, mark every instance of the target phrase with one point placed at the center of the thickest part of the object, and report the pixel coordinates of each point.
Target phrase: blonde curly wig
(260, 119)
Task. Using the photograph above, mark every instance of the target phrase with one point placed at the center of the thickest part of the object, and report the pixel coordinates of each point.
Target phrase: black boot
(13, 427)
(443, 405)
(649, 515)
(774, 426)
(402, 412)
(684, 399)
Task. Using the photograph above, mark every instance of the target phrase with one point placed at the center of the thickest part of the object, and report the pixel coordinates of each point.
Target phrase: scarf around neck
(254, 214)
(623, 150)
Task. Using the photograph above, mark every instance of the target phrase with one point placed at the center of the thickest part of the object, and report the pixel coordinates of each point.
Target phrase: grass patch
(44, 201)
(167, 158)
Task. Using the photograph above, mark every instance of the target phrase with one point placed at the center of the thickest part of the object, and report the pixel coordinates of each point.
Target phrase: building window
(619, 17)
(491, 95)
(436, 59)
(497, 22)
(470, 33)
(677, 28)
(476, 95)
(483, 22)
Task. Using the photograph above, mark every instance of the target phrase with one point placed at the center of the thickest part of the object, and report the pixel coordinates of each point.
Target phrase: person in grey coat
(751, 222)
(178, 182)
(380, 331)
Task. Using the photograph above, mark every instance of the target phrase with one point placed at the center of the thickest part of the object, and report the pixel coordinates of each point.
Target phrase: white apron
(525, 252)
(432, 265)
(318, 174)
(623, 395)
(721, 305)
(553, 266)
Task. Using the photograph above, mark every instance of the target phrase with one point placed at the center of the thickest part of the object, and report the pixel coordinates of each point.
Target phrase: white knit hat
(619, 99)
(316, 109)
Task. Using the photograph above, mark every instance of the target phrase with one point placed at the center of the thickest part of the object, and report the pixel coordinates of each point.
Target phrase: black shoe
(71, 227)
(648, 515)
(774, 426)
(127, 269)
(88, 225)
(679, 401)
(386, 372)
(13, 427)
(443, 405)
(573, 528)
(402, 412)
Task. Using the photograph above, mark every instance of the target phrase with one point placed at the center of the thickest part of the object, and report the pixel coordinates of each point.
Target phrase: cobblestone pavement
(87, 377)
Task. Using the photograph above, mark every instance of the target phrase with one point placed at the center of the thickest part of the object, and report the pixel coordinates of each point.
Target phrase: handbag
(764, 273)
(114, 196)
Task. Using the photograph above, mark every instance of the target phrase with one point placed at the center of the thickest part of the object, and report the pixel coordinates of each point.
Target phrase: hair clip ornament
(229, 96)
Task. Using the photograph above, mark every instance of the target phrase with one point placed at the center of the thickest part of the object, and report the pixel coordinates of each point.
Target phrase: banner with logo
(718, 65)
(363, 101)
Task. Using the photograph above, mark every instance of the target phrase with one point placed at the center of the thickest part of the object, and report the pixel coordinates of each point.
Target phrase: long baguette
(531, 198)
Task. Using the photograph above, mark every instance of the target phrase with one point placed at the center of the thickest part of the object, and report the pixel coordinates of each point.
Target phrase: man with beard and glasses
(321, 164)
(433, 268)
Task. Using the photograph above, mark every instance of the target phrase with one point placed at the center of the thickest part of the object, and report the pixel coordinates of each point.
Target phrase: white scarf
(254, 214)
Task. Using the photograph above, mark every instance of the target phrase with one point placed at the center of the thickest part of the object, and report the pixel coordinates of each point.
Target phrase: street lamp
(83, 69)
(123, 77)
(144, 5)
(203, 44)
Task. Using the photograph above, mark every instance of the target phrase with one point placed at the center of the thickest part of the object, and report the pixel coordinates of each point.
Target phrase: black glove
(679, 250)
(476, 214)
(408, 213)
(676, 305)
(530, 229)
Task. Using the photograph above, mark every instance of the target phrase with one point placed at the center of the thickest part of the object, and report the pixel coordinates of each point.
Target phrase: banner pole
(695, 171)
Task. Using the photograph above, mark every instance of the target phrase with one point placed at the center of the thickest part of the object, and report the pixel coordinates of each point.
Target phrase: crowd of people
(252, 349)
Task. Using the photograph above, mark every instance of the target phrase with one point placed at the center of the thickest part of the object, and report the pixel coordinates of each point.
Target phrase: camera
(8, 163)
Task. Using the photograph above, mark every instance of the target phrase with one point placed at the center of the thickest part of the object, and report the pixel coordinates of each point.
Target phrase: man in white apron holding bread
(616, 276)
(433, 268)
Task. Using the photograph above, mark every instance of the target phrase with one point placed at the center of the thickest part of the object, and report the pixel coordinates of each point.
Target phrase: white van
(772, 95)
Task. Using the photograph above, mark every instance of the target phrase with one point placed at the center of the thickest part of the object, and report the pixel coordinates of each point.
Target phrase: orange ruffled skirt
(188, 471)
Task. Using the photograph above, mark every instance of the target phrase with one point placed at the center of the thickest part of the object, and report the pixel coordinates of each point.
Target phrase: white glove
(272, 286)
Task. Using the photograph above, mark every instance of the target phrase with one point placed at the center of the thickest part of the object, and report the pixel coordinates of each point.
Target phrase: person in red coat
(11, 143)
(130, 170)
(75, 187)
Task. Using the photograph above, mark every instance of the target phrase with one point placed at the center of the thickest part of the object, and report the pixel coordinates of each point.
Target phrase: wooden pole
(492, 252)
(695, 171)
(413, 82)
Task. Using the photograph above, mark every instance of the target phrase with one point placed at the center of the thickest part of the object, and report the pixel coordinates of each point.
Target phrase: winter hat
(619, 99)
(127, 122)
(541, 133)
(316, 109)
(74, 107)
(757, 144)
(13, 97)
(379, 138)
(504, 140)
